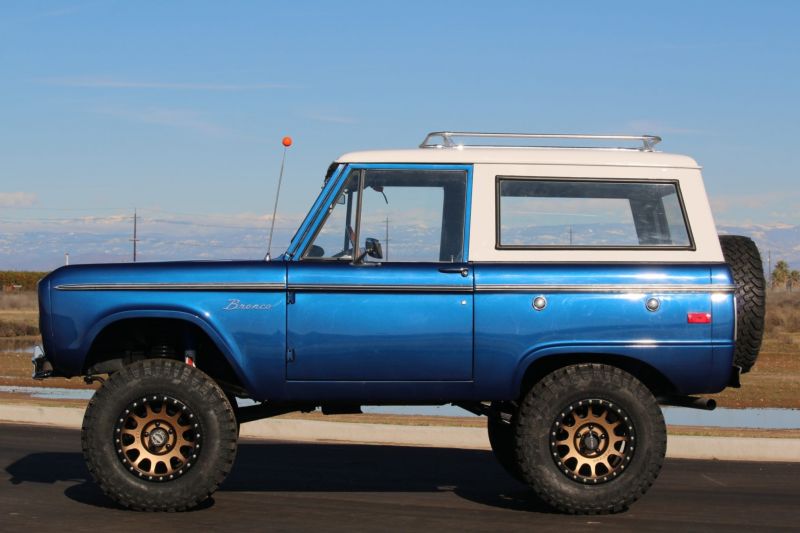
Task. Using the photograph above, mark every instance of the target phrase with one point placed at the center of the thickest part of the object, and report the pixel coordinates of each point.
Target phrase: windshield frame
(329, 187)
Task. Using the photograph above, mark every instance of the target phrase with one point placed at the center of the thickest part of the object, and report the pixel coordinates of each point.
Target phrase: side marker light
(698, 318)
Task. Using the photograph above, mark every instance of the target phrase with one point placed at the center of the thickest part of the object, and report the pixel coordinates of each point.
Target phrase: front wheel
(590, 439)
(159, 435)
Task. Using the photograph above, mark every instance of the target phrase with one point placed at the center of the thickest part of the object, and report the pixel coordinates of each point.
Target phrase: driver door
(396, 309)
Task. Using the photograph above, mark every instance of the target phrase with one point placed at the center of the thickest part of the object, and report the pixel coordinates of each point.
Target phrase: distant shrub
(782, 322)
(26, 280)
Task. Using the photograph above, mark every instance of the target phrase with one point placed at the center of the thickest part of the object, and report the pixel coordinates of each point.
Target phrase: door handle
(464, 271)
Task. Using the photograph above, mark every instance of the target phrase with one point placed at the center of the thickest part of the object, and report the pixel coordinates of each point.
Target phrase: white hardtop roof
(532, 156)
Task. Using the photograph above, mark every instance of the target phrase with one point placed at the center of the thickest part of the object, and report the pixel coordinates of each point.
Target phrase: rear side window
(567, 213)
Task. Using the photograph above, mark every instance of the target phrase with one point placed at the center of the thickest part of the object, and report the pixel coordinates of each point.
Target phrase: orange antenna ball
(287, 141)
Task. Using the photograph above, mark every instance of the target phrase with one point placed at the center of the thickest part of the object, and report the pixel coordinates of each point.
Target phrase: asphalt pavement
(279, 486)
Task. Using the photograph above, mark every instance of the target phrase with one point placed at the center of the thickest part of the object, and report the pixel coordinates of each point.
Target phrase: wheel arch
(530, 373)
(125, 336)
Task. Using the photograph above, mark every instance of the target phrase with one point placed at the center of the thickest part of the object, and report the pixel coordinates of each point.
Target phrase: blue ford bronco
(562, 292)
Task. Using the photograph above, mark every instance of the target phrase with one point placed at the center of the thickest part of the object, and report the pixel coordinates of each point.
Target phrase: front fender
(240, 305)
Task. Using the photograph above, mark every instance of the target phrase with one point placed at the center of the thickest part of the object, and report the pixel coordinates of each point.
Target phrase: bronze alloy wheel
(592, 441)
(157, 438)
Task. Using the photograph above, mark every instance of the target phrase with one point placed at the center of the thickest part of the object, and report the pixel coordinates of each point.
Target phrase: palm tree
(780, 274)
(794, 279)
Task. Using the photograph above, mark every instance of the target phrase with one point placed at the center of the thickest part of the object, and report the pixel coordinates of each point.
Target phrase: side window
(416, 215)
(404, 215)
(559, 213)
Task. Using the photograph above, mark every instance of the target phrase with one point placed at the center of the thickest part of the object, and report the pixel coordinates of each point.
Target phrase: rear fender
(676, 363)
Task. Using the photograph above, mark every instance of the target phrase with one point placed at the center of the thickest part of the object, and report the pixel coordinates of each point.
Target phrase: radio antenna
(287, 142)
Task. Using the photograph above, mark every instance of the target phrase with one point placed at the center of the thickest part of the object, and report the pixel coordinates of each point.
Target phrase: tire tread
(551, 391)
(213, 397)
(742, 256)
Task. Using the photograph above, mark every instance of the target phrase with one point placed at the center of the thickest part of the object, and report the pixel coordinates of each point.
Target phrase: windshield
(336, 238)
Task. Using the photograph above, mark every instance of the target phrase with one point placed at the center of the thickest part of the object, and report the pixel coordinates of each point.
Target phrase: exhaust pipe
(692, 402)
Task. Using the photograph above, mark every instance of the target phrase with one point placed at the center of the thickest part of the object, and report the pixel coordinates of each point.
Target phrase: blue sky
(178, 108)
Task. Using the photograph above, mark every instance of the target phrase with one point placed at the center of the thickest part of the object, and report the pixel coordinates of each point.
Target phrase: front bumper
(42, 368)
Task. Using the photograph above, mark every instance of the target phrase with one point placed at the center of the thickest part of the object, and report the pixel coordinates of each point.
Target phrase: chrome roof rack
(446, 140)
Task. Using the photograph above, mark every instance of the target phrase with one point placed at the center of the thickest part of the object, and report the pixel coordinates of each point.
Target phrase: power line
(22, 208)
(121, 220)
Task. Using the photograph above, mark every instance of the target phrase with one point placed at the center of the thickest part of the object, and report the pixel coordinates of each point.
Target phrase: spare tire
(741, 255)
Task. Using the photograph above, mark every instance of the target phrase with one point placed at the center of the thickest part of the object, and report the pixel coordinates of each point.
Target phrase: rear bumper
(42, 368)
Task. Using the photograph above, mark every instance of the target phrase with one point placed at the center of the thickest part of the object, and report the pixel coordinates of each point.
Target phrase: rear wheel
(590, 439)
(501, 439)
(159, 435)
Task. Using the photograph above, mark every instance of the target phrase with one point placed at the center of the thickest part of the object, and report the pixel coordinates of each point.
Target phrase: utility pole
(769, 267)
(387, 238)
(769, 262)
(570, 234)
(66, 258)
(135, 238)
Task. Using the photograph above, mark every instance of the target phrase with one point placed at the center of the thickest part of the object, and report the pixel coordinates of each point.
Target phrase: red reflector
(698, 318)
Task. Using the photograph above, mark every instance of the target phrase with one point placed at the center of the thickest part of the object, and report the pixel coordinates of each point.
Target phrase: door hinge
(290, 355)
(290, 297)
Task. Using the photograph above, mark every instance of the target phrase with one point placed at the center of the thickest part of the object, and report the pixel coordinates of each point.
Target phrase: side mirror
(373, 248)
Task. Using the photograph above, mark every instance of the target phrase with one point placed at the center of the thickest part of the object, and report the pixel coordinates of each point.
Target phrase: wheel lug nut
(146, 434)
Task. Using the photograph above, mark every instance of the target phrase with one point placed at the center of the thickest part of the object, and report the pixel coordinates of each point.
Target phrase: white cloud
(175, 118)
(738, 208)
(333, 118)
(17, 199)
(100, 82)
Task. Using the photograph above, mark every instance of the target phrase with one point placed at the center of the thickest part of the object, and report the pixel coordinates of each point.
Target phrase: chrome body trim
(171, 287)
(615, 288)
(572, 288)
(379, 288)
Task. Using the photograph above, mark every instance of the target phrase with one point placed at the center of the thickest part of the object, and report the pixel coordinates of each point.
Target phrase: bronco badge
(234, 304)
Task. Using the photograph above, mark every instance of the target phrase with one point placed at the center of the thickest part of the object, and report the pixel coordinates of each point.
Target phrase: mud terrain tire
(179, 398)
(501, 439)
(741, 255)
(605, 407)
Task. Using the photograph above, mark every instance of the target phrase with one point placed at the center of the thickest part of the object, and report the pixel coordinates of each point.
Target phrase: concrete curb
(678, 446)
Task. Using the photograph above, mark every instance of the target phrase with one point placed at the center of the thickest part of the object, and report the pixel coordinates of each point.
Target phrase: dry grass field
(19, 315)
(775, 379)
(773, 382)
